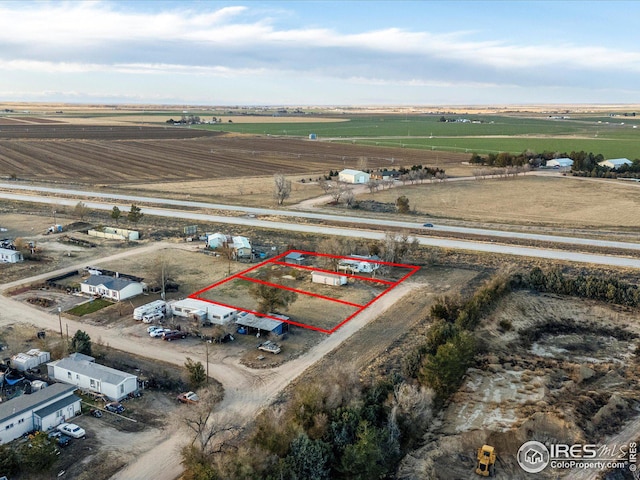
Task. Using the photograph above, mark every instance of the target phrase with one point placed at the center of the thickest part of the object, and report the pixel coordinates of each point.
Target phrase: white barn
(615, 163)
(328, 278)
(353, 176)
(41, 410)
(10, 256)
(560, 163)
(80, 370)
(113, 288)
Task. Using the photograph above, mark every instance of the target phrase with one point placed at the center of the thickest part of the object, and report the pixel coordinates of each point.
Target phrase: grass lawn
(89, 307)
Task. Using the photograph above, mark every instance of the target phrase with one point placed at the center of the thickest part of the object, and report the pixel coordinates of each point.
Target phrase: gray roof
(80, 356)
(59, 405)
(295, 255)
(263, 323)
(92, 370)
(25, 403)
(111, 283)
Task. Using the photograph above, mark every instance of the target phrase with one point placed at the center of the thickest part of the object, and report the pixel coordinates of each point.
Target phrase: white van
(153, 317)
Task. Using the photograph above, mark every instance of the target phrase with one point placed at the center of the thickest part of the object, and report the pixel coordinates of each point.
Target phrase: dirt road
(246, 391)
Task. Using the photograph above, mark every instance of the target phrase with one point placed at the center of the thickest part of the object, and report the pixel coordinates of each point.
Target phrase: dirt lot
(556, 369)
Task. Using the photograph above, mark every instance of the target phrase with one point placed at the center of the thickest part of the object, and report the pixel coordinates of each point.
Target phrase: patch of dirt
(556, 370)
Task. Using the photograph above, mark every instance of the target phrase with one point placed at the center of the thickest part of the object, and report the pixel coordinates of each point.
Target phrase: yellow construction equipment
(486, 461)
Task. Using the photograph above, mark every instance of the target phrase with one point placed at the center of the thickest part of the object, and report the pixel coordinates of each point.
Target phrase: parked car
(59, 438)
(154, 327)
(173, 335)
(159, 332)
(188, 397)
(152, 317)
(95, 413)
(428, 225)
(72, 430)
(270, 347)
(114, 407)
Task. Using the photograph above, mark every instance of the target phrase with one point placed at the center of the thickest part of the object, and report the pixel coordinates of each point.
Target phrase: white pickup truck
(270, 347)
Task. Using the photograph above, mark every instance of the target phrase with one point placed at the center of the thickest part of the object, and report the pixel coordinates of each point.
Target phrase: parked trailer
(357, 267)
(157, 306)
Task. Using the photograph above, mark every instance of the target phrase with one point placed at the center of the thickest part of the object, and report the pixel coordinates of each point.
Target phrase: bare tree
(325, 185)
(363, 163)
(397, 247)
(349, 197)
(334, 246)
(337, 191)
(209, 434)
(373, 186)
(80, 210)
(282, 188)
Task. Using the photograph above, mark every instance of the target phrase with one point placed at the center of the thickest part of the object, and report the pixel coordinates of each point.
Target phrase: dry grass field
(564, 201)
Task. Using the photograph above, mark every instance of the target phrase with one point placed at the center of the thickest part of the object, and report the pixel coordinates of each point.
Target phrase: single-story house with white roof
(81, 371)
(10, 256)
(41, 410)
(204, 311)
(615, 163)
(114, 288)
(560, 163)
(353, 176)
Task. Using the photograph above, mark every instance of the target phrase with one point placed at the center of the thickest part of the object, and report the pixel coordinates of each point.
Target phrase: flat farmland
(121, 155)
(529, 200)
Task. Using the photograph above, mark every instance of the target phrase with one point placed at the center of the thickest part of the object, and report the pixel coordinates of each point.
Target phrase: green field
(494, 134)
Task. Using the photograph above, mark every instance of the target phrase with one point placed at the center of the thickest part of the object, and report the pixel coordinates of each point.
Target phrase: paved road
(488, 247)
(298, 214)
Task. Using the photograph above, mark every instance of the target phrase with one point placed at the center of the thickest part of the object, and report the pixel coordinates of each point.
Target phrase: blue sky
(320, 52)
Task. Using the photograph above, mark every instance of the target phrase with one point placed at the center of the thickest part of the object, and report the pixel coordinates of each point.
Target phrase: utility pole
(207, 346)
(60, 320)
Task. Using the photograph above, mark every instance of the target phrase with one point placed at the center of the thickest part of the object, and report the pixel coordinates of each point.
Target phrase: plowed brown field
(93, 154)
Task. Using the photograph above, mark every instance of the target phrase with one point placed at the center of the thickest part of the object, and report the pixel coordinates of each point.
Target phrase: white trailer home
(157, 306)
(41, 410)
(206, 312)
(80, 370)
(354, 264)
(10, 256)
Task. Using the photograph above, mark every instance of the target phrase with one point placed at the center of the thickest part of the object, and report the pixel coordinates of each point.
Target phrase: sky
(325, 53)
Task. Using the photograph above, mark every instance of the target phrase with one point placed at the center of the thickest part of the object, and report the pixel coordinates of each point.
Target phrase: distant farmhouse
(615, 163)
(353, 176)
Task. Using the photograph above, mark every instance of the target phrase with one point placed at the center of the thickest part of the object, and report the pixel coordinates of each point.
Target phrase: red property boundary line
(276, 260)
